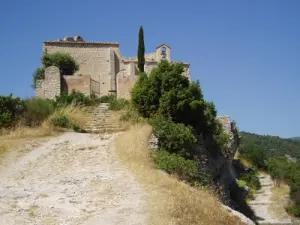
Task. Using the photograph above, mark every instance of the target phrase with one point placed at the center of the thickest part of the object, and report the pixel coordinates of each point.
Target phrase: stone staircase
(103, 120)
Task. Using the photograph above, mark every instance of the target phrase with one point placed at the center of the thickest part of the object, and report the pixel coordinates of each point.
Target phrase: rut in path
(71, 179)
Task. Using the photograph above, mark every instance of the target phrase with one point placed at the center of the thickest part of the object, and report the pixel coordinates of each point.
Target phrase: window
(163, 52)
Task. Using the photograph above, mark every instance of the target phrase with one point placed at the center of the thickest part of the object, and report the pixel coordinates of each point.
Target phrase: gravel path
(262, 202)
(71, 179)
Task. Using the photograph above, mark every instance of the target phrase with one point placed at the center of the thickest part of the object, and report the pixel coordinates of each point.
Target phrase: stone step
(105, 130)
(102, 127)
(103, 123)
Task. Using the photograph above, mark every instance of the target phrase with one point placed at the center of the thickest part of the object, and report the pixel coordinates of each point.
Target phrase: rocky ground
(70, 179)
(263, 202)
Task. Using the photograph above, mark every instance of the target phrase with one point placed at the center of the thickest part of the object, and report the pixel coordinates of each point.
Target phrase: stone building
(102, 68)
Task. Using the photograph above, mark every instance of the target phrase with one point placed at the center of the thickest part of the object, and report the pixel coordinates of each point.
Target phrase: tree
(141, 50)
(64, 61)
(165, 91)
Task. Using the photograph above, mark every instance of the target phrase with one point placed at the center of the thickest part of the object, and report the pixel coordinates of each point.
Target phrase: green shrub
(11, 110)
(37, 110)
(64, 61)
(131, 115)
(222, 139)
(118, 104)
(185, 169)
(294, 210)
(168, 93)
(251, 179)
(77, 128)
(75, 98)
(173, 137)
(39, 74)
(61, 121)
(114, 102)
(106, 98)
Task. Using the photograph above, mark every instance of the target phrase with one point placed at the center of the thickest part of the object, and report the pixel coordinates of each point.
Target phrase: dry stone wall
(50, 87)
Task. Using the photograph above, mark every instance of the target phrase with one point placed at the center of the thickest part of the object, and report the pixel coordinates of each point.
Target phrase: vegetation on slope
(276, 156)
(181, 117)
(171, 201)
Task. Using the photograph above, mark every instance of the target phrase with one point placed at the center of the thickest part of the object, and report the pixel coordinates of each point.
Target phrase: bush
(131, 115)
(118, 104)
(251, 179)
(75, 99)
(222, 139)
(105, 98)
(168, 93)
(11, 110)
(37, 110)
(64, 61)
(294, 210)
(185, 169)
(77, 128)
(61, 121)
(173, 137)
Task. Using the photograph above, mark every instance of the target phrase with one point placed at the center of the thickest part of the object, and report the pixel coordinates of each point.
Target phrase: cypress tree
(141, 50)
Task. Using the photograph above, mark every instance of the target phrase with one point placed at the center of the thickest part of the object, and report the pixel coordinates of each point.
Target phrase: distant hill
(272, 145)
(295, 138)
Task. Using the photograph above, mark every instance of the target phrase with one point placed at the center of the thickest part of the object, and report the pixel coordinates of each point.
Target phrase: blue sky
(246, 53)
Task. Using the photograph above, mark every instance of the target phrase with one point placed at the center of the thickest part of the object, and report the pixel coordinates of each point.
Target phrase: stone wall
(94, 59)
(125, 84)
(51, 85)
(78, 83)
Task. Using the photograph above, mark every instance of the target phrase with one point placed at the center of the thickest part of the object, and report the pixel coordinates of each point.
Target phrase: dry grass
(19, 135)
(169, 201)
(280, 196)
(76, 115)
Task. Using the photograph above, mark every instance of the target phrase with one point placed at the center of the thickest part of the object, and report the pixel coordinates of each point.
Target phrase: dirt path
(263, 203)
(71, 179)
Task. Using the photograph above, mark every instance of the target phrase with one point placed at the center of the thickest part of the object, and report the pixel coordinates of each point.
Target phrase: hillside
(272, 145)
(280, 158)
(295, 138)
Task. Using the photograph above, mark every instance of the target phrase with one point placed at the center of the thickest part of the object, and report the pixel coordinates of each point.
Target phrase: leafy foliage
(185, 169)
(64, 61)
(11, 110)
(179, 115)
(75, 98)
(39, 74)
(117, 104)
(175, 137)
(141, 51)
(168, 93)
(37, 110)
(61, 121)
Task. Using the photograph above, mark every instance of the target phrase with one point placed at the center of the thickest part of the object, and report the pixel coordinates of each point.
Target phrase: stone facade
(103, 63)
(77, 83)
(51, 85)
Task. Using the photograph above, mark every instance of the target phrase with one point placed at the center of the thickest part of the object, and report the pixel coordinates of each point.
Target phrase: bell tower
(163, 52)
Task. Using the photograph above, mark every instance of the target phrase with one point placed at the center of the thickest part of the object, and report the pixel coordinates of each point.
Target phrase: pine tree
(141, 50)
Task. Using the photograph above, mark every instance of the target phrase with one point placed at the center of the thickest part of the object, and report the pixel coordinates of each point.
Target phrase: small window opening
(163, 52)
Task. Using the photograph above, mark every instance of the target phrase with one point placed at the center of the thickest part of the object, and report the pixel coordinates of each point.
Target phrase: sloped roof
(163, 45)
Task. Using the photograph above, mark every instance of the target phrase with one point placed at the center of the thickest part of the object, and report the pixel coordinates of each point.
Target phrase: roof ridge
(81, 42)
